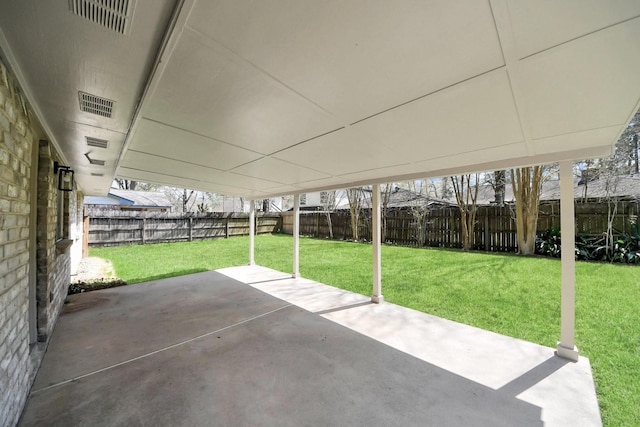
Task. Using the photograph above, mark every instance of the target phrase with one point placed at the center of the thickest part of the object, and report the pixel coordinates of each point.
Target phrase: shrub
(626, 248)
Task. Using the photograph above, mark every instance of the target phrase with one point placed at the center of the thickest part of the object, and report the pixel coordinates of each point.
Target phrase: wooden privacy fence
(114, 228)
(495, 228)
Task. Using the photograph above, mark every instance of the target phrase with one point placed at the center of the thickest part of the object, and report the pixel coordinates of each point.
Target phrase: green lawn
(511, 295)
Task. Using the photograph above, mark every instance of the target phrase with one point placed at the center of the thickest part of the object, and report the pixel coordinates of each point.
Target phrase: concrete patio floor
(250, 346)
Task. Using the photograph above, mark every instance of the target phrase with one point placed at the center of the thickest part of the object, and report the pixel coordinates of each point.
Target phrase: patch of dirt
(94, 274)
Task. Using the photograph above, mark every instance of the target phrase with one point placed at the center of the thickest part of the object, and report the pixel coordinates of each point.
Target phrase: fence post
(255, 225)
(85, 239)
(190, 229)
(143, 233)
(226, 227)
(486, 231)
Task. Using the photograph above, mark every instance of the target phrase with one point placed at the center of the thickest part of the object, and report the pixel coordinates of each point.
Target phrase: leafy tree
(626, 153)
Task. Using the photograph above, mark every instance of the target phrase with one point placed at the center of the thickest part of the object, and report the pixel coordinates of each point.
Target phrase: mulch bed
(80, 287)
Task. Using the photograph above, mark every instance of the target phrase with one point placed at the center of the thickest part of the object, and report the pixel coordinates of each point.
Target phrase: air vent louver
(94, 161)
(114, 15)
(96, 105)
(96, 142)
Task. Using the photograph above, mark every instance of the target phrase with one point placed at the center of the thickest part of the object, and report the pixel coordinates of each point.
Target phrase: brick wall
(53, 263)
(20, 147)
(16, 142)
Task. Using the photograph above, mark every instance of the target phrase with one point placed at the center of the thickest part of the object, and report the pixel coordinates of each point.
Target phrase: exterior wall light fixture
(65, 176)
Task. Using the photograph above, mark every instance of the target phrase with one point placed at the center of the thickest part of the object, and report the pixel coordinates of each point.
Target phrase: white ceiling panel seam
(503, 24)
(435, 92)
(176, 160)
(149, 119)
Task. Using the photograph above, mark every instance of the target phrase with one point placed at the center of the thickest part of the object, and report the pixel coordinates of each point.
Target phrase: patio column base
(568, 353)
(295, 275)
(377, 299)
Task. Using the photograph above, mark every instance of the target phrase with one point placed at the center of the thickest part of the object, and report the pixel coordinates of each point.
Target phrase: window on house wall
(303, 199)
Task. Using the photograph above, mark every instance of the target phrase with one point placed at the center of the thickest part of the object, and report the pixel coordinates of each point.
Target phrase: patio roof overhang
(260, 99)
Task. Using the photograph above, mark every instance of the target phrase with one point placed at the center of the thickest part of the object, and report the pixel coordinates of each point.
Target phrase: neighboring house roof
(131, 198)
(623, 186)
(402, 198)
(142, 198)
(100, 200)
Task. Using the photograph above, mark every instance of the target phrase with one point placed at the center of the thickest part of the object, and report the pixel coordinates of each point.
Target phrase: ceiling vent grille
(96, 105)
(114, 15)
(96, 142)
(96, 174)
(94, 161)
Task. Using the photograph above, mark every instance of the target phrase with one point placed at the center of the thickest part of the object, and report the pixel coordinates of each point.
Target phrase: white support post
(252, 231)
(296, 236)
(566, 347)
(375, 237)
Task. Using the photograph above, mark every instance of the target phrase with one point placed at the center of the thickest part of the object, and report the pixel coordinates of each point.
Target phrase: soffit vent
(96, 105)
(94, 161)
(96, 174)
(114, 15)
(96, 142)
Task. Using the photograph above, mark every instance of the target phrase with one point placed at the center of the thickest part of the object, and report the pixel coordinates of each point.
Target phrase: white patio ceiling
(263, 98)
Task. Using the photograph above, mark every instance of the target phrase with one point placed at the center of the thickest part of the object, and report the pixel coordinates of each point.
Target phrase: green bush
(626, 247)
(548, 243)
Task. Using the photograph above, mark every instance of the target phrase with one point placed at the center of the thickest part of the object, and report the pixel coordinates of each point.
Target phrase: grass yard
(511, 295)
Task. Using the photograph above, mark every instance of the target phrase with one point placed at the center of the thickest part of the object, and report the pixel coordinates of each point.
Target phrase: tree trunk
(500, 178)
(330, 225)
(466, 196)
(635, 147)
(354, 224)
(527, 183)
(386, 195)
(354, 195)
